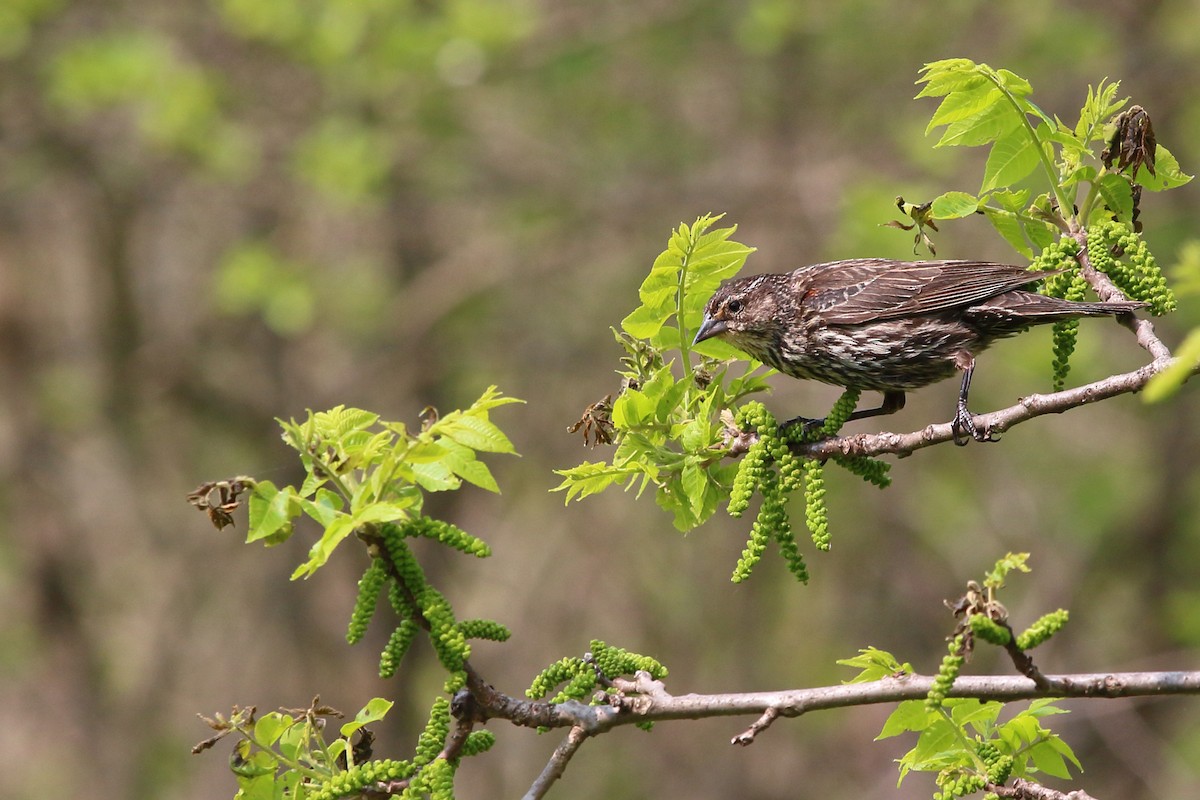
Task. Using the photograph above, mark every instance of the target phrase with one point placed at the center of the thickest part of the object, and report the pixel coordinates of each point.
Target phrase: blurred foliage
(508, 172)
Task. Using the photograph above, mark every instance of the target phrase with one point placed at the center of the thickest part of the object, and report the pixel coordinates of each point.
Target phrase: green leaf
(1166, 383)
(1013, 156)
(319, 553)
(1117, 194)
(271, 511)
(644, 321)
(1014, 83)
(475, 432)
(462, 462)
(1048, 760)
(324, 508)
(875, 664)
(434, 476)
(269, 727)
(976, 713)
(1167, 175)
(964, 103)
(592, 478)
(380, 512)
(633, 409)
(373, 711)
(910, 715)
(694, 481)
(987, 126)
(949, 75)
(1009, 227)
(954, 205)
(995, 578)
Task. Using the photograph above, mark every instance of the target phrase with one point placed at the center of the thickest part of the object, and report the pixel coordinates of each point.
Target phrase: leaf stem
(1064, 205)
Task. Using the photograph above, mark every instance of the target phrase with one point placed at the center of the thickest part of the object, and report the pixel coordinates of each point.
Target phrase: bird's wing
(864, 290)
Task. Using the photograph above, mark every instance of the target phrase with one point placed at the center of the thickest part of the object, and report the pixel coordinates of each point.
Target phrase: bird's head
(743, 312)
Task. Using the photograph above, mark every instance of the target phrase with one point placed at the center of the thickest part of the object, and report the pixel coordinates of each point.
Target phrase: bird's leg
(963, 421)
(893, 401)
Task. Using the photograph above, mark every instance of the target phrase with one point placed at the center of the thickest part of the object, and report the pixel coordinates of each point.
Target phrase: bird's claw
(964, 423)
(808, 427)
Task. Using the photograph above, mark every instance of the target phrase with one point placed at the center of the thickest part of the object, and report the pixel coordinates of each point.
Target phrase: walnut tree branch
(1034, 405)
(645, 700)
(557, 764)
(1022, 789)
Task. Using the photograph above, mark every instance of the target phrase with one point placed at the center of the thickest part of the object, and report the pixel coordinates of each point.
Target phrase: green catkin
(444, 634)
(1140, 279)
(841, 411)
(455, 682)
(871, 470)
(1042, 629)
(772, 516)
(756, 545)
(749, 476)
(1066, 333)
(478, 742)
(405, 562)
(951, 665)
(351, 782)
(369, 586)
(431, 740)
(559, 672)
(1000, 770)
(791, 554)
(614, 661)
(989, 630)
(448, 534)
(484, 629)
(398, 644)
(1067, 284)
(816, 513)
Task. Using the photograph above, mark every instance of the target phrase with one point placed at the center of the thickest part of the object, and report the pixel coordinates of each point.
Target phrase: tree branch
(1022, 789)
(557, 764)
(1035, 405)
(645, 700)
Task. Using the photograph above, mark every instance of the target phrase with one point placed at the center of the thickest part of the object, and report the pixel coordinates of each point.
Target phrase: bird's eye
(734, 306)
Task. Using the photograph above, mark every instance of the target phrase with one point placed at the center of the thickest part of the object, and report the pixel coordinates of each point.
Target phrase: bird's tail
(1035, 309)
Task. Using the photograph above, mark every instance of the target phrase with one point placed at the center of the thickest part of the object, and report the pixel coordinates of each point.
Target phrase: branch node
(746, 737)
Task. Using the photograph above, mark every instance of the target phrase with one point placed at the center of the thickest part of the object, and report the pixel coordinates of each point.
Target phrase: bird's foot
(803, 428)
(964, 425)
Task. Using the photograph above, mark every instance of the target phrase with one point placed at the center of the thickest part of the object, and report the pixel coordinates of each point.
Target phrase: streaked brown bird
(887, 326)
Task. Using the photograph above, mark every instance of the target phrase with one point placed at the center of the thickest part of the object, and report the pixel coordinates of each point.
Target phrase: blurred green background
(215, 212)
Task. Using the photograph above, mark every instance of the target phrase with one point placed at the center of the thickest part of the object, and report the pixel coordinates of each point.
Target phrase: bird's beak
(709, 328)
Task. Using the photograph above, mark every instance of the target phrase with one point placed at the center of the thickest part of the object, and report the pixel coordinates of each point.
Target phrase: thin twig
(557, 764)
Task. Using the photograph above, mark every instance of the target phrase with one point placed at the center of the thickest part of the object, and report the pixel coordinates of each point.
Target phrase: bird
(878, 324)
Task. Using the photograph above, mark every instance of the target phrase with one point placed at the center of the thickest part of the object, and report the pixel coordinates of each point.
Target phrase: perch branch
(1034, 405)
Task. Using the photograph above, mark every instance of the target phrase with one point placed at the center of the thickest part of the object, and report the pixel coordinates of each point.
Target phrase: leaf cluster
(361, 470)
(982, 106)
(963, 740)
(666, 420)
